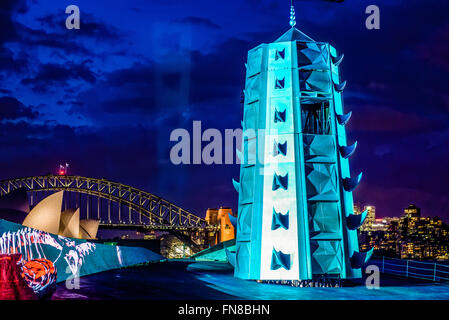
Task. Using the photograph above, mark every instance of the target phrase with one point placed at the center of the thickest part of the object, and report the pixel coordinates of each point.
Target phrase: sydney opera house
(47, 215)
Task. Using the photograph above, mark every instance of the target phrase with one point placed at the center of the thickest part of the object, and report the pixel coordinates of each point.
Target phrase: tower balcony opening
(315, 118)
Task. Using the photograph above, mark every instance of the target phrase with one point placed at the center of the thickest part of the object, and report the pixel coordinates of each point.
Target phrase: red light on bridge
(63, 169)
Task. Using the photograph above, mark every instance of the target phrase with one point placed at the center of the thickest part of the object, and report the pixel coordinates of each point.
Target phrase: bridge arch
(152, 211)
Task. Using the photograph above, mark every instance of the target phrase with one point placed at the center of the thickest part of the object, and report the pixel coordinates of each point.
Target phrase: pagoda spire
(292, 15)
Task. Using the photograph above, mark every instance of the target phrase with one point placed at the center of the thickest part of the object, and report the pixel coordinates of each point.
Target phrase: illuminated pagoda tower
(295, 211)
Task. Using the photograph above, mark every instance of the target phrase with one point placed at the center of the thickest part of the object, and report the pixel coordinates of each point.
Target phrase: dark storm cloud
(131, 89)
(402, 56)
(11, 109)
(156, 87)
(8, 26)
(267, 6)
(11, 62)
(8, 10)
(436, 48)
(40, 38)
(378, 118)
(52, 74)
(53, 34)
(198, 21)
(5, 91)
(227, 73)
(15, 32)
(50, 144)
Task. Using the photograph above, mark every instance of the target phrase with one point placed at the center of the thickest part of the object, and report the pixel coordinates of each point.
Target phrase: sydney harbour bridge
(116, 205)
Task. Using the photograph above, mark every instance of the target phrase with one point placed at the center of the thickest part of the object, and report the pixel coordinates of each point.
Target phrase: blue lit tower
(295, 210)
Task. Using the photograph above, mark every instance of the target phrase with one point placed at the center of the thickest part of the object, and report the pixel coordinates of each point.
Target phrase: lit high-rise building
(357, 208)
(226, 228)
(412, 211)
(410, 220)
(220, 218)
(212, 220)
(370, 219)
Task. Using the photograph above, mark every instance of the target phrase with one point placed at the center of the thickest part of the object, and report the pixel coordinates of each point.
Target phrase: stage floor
(173, 281)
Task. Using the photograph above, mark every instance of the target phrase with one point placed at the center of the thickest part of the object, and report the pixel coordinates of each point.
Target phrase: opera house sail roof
(46, 215)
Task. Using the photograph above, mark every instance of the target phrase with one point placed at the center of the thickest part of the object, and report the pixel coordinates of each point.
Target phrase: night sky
(105, 98)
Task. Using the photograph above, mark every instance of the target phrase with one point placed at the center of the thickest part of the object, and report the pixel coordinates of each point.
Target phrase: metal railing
(425, 270)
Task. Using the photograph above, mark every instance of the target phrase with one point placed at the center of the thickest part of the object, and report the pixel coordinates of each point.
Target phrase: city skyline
(409, 236)
(105, 99)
